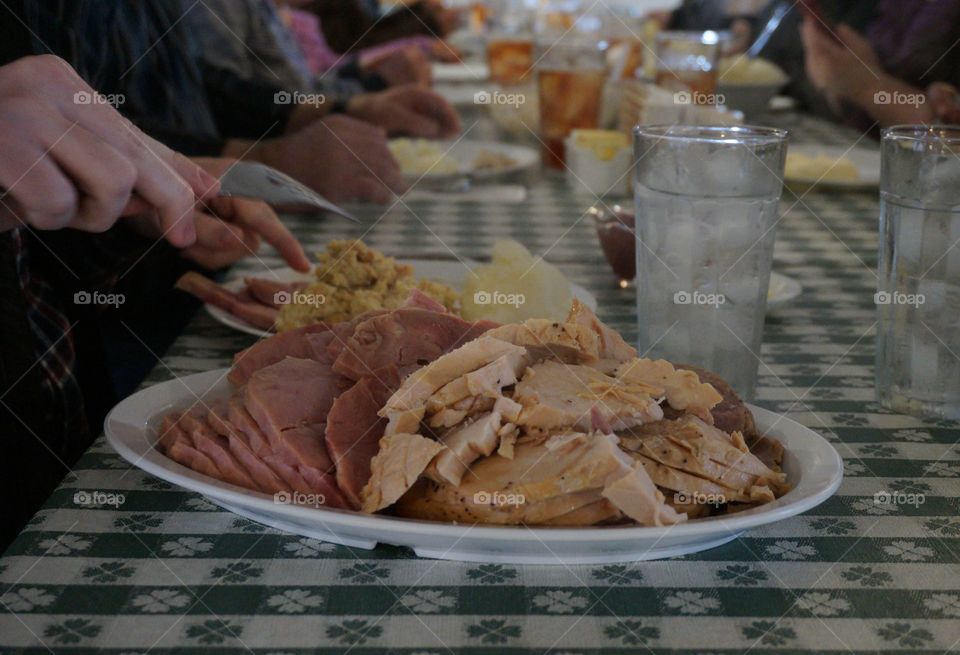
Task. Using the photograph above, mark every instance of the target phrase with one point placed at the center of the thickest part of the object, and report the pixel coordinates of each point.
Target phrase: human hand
(844, 67)
(944, 101)
(407, 110)
(231, 229)
(71, 160)
(406, 66)
(340, 157)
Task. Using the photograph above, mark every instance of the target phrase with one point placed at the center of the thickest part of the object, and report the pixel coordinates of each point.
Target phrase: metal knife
(247, 179)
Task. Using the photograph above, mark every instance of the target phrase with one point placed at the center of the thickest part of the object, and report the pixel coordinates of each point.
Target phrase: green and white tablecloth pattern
(168, 571)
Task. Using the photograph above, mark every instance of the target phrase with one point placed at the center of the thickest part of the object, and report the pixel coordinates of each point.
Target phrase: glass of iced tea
(687, 65)
(510, 58)
(570, 80)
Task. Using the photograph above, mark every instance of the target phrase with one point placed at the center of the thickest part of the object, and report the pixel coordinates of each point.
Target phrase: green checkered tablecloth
(168, 571)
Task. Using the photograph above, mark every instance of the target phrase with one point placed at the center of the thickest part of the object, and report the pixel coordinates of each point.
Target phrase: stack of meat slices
(258, 303)
(547, 423)
(303, 415)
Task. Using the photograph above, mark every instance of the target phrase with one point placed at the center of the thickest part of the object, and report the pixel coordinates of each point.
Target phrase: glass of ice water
(706, 213)
(918, 294)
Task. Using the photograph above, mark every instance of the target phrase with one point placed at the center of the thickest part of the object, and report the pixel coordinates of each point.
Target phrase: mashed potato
(514, 287)
(745, 71)
(420, 156)
(352, 279)
(820, 167)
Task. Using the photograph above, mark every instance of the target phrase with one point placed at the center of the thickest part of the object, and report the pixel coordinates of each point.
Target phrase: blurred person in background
(349, 25)
(846, 57)
(401, 61)
(252, 38)
(881, 75)
(96, 222)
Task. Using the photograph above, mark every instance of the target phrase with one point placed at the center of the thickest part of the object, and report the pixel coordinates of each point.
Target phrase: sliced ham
(299, 342)
(325, 485)
(266, 291)
(354, 430)
(255, 313)
(419, 300)
(265, 477)
(291, 393)
(217, 448)
(307, 444)
(405, 338)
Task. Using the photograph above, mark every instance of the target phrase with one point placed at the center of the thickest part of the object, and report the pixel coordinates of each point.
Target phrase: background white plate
(473, 71)
(867, 162)
(813, 468)
(465, 151)
(448, 271)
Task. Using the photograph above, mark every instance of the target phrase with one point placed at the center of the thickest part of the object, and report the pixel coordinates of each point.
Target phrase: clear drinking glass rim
(922, 133)
(729, 134)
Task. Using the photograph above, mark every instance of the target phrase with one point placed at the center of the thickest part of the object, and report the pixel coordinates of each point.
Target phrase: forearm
(891, 101)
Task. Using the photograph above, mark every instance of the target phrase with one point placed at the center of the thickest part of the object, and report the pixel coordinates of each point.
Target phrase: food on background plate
(515, 286)
(490, 160)
(604, 144)
(422, 156)
(800, 166)
(350, 279)
(353, 278)
(418, 412)
(741, 70)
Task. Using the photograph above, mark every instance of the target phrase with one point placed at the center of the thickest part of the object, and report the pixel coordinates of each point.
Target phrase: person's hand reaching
(340, 157)
(843, 67)
(406, 66)
(407, 111)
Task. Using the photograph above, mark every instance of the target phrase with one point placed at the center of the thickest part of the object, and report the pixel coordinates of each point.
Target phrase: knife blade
(247, 179)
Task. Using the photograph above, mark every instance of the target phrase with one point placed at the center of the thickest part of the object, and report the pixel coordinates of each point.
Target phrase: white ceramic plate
(465, 152)
(812, 465)
(866, 161)
(448, 271)
(782, 291)
(473, 71)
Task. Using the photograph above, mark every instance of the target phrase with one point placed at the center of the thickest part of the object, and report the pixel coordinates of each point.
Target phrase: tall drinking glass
(918, 296)
(706, 209)
(570, 79)
(687, 65)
